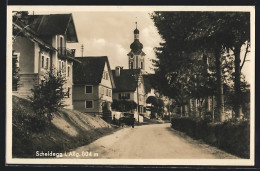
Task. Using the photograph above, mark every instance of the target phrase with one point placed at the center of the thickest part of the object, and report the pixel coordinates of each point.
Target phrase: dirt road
(158, 141)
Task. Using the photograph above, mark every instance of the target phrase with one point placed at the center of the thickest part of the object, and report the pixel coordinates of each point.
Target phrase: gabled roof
(147, 83)
(126, 81)
(53, 24)
(30, 35)
(90, 70)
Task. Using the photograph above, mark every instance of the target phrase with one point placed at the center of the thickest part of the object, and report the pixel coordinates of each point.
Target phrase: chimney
(117, 71)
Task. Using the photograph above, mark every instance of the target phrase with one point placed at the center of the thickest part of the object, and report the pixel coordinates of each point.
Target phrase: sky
(111, 33)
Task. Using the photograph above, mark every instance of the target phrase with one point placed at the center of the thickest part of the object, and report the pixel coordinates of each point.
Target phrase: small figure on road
(133, 121)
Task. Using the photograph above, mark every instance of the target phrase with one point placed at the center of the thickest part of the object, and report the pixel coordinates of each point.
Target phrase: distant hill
(68, 130)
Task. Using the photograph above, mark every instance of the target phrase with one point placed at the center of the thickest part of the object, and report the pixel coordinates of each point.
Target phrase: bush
(47, 97)
(231, 136)
(123, 105)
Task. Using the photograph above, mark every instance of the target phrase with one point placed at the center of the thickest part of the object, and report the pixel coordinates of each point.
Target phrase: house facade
(130, 86)
(39, 45)
(93, 85)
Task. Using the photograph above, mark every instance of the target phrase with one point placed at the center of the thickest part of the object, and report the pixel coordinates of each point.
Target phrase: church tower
(136, 55)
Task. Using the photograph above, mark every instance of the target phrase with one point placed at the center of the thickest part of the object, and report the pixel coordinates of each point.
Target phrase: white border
(66, 9)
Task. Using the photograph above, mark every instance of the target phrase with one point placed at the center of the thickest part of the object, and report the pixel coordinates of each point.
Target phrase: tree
(179, 67)
(157, 105)
(152, 100)
(160, 107)
(15, 74)
(47, 96)
(185, 34)
(239, 25)
(124, 105)
(231, 30)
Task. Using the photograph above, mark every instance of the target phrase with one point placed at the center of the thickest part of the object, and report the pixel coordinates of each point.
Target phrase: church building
(130, 83)
(136, 56)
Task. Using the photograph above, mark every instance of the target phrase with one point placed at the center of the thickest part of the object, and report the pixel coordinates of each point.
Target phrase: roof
(131, 53)
(136, 31)
(147, 83)
(136, 46)
(53, 24)
(29, 33)
(90, 70)
(126, 81)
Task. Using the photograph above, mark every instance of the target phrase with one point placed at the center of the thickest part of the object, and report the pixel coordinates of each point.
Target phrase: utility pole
(137, 99)
(82, 50)
(136, 76)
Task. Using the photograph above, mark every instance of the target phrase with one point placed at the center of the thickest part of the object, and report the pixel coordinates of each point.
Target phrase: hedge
(232, 137)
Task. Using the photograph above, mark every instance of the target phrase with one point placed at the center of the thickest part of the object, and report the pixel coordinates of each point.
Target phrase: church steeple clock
(136, 55)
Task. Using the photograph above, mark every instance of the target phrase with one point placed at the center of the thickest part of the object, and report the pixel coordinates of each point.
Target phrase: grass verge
(26, 141)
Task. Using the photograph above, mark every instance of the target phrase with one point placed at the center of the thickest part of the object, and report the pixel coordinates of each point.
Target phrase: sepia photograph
(130, 85)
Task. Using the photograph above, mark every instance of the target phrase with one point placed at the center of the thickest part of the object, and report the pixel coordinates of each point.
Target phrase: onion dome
(136, 46)
(136, 31)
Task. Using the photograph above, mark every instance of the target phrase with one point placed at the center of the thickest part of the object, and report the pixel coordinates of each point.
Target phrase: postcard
(130, 85)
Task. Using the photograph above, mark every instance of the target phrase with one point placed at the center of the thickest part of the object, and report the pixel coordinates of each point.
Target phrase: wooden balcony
(66, 52)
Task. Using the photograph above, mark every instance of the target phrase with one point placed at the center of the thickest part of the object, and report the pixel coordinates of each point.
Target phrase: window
(42, 61)
(67, 94)
(47, 63)
(89, 89)
(131, 65)
(106, 92)
(109, 93)
(16, 57)
(101, 90)
(68, 71)
(60, 65)
(105, 75)
(141, 65)
(136, 62)
(61, 42)
(89, 104)
(124, 96)
(63, 67)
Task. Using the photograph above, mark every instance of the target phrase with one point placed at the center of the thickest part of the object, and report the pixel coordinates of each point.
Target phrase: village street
(149, 142)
